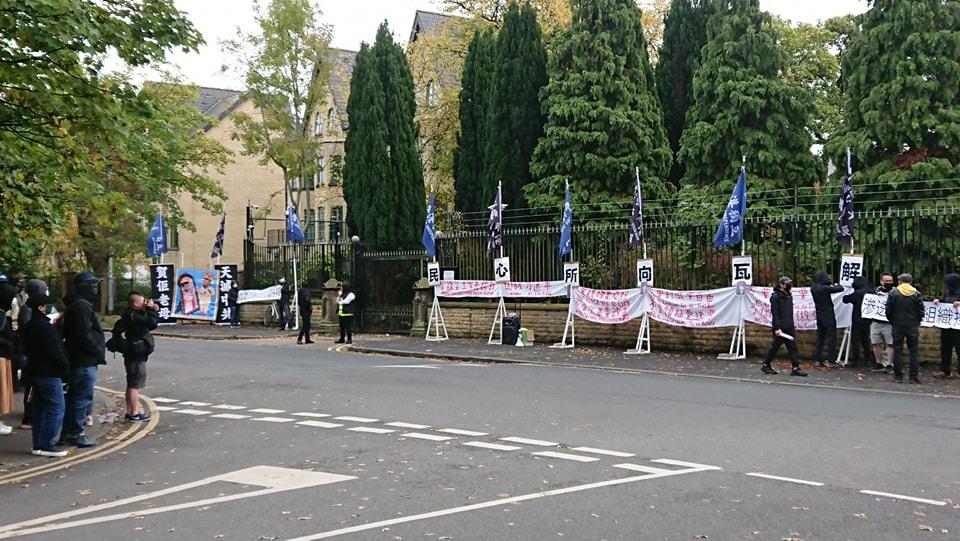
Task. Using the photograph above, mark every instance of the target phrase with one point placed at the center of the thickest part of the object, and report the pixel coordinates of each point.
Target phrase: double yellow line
(132, 434)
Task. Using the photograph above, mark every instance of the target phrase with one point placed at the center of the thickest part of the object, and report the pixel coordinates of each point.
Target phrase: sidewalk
(205, 331)
(675, 364)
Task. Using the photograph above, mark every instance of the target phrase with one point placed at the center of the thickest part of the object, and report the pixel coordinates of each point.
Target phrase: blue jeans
(235, 315)
(80, 384)
(47, 411)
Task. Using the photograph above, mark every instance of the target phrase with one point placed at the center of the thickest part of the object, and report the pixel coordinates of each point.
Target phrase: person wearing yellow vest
(346, 302)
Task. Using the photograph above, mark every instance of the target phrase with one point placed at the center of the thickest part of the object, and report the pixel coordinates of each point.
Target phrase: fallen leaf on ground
(924, 528)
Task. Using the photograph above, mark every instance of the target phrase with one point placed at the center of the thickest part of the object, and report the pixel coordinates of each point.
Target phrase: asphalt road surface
(269, 440)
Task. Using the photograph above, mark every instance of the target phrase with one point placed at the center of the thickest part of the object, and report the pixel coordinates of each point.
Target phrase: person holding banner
(905, 312)
(881, 332)
(859, 327)
(949, 338)
(784, 329)
(822, 293)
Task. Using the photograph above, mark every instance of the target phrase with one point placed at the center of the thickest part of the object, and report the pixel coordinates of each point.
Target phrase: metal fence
(316, 263)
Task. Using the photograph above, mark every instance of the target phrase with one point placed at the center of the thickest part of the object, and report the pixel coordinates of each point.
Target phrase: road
(269, 440)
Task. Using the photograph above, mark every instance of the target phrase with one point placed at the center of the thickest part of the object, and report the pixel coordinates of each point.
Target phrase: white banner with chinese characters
(941, 316)
(608, 306)
(757, 309)
(501, 269)
(254, 295)
(571, 273)
(698, 309)
(741, 270)
(645, 272)
(433, 274)
(486, 289)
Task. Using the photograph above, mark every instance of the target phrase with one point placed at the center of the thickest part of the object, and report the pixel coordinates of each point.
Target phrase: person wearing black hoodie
(86, 349)
(305, 305)
(822, 293)
(949, 338)
(48, 366)
(784, 330)
(860, 347)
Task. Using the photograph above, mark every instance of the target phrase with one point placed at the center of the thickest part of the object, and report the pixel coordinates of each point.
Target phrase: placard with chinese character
(645, 272)
(195, 294)
(571, 273)
(851, 266)
(433, 274)
(741, 270)
(161, 291)
(227, 278)
(501, 269)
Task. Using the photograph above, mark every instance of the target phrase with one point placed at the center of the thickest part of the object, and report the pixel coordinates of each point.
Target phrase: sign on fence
(941, 316)
(433, 274)
(161, 291)
(501, 269)
(227, 282)
(741, 270)
(645, 272)
(571, 274)
(851, 266)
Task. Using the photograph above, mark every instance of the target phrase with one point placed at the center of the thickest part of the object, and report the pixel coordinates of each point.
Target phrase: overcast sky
(355, 21)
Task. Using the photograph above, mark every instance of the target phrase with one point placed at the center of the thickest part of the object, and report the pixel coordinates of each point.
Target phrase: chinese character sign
(433, 274)
(196, 294)
(645, 272)
(742, 270)
(571, 274)
(501, 269)
(851, 266)
(227, 282)
(161, 291)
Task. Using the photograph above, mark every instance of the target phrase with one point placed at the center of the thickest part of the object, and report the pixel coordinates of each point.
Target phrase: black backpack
(117, 342)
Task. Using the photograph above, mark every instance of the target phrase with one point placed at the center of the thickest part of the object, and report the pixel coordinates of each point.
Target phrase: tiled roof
(340, 74)
(217, 102)
(428, 22)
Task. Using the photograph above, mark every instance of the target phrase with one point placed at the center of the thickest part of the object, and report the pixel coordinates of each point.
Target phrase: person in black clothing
(822, 293)
(86, 349)
(305, 306)
(48, 365)
(346, 308)
(860, 347)
(784, 330)
(135, 324)
(905, 312)
(232, 296)
(949, 338)
(284, 305)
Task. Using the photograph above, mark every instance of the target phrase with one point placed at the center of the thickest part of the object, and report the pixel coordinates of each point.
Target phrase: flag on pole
(566, 229)
(429, 239)
(495, 225)
(157, 238)
(294, 231)
(636, 220)
(845, 207)
(218, 243)
(731, 225)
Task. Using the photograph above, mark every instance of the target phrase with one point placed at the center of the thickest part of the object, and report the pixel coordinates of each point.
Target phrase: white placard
(571, 273)
(851, 266)
(501, 269)
(741, 270)
(433, 274)
(645, 272)
(449, 274)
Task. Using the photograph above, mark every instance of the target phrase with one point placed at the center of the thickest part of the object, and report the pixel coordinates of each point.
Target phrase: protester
(135, 324)
(949, 338)
(48, 366)
(34, 287)
(905, 312)
(881, 332)
(784, 330)
(6, 354)
(83, 337)
(346, 308)
(822, 293)
(284, 304)
(232, 297)
(859, 327)
(305, 305)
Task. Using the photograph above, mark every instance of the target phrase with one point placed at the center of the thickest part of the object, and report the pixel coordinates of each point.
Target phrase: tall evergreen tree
(516, 123)
(684, 34)
(602, 118)
(470, 164)
(743, 107)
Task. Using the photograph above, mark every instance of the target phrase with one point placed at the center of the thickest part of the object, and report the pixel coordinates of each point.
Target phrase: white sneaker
(57, 451)
(5, 429)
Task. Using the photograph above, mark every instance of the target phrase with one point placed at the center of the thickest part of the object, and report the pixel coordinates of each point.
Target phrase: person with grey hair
(905, 312)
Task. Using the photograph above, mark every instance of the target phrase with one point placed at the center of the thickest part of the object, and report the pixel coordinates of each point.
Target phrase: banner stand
(436, 322)
(738, 345)
(568, 326)
(643, 338)
(497, 324)
(843, 355)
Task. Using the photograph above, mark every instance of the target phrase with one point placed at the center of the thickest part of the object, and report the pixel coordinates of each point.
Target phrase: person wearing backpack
(132, 338)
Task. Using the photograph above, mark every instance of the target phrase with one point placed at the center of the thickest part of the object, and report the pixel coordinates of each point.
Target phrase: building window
(432, 97)
(336, 169)
(310, 226)
(331, 118)
(318, 124)
(336, 223)
(295, 183)
(319, 225)
(321, 163)
(173, 238)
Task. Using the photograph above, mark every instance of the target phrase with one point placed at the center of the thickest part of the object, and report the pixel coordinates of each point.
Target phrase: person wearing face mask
(784, 330)
(949, 338)
(86, 349)
(881, 332)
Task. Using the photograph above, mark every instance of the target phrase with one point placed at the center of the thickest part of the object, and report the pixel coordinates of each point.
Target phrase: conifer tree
(743, 107)
(602, 120)
(470, 163)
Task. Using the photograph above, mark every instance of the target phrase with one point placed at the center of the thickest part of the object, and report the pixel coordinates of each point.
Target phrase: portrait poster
(196, 294)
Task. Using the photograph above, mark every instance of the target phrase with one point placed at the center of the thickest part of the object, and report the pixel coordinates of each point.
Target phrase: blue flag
(429, 239)
(566, 229)
(157, 238)
(294, 231)
(731, 225)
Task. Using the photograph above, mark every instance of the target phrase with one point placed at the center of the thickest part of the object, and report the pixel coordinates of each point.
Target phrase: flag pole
(570, 255)
(637, 171)
(850, 173)
(500, 213)
(743, 240)
(164, 235)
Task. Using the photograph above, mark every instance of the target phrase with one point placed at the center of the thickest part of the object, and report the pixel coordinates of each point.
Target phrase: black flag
(845, 207)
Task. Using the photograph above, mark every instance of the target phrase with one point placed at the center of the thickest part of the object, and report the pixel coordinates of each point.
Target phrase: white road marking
(273, 419)
(787, 479)
(643, 469)
(371, 430)
(494, 446)
(166, 408)
(266, 410)
(311, 414)
(566, 456)
(459, 432)
(193, 412)
(902, 497)
(596, 451)
(671, 462)
(230, 416)
(429, 437)
(201, 404)
(526, 441)
(229, 407)
(319, 424)
(408, 425)
(356, 419)
(494, 503)
(408, 366)
(272, 480)
(164, 400)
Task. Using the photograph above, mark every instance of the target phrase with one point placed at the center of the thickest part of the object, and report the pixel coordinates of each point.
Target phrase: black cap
(785, 280)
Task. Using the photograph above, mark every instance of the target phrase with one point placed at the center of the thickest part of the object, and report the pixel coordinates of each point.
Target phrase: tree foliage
(476, 94)
(602, 118)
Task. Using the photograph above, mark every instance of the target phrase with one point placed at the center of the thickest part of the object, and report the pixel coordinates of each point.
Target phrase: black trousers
(912, 336)
(826, 336)
(304, 328)
(346, 328)
(949, 343)
(860, 347)
(791, 348)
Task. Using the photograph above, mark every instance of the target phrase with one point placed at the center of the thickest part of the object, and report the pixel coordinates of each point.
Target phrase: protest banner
(196, 294)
